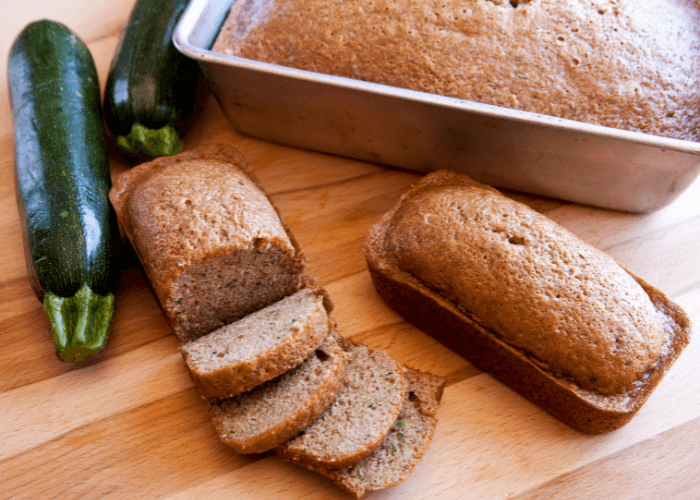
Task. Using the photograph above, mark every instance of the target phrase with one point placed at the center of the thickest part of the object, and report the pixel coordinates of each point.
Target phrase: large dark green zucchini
(151, 87)
(63, 181)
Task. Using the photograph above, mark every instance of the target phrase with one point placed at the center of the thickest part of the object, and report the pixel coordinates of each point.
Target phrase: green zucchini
(151, 87)
(62, 184)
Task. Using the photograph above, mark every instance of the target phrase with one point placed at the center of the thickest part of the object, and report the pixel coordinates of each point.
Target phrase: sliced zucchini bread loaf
(210, 241)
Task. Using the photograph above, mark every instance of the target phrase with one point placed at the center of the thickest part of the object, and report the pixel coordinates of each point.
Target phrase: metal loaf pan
(512, 149)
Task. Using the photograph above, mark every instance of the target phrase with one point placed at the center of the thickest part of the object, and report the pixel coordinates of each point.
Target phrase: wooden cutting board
(129, 424)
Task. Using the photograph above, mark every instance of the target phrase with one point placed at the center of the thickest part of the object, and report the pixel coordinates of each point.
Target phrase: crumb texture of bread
(270, 414)
(627, 64)
(260, 346)
(525, 299)
(357, 421)
(405, 444)
(210, 241)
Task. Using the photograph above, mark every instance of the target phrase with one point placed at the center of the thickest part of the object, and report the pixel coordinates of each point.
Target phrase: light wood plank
(118, 456)
(36, 413)
(657, 468)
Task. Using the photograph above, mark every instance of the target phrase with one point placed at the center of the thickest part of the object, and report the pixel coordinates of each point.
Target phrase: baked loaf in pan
(524, 299)
(627, 64)
(210, 241)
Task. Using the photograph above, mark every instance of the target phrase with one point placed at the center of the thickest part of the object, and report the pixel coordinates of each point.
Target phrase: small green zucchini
(62, 184)
(151, 87)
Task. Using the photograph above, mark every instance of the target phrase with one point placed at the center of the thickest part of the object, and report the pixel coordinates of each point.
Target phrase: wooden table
(129, 424)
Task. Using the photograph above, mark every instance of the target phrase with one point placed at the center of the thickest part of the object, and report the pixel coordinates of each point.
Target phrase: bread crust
(440, 317)
(156, 222)
(596, 62)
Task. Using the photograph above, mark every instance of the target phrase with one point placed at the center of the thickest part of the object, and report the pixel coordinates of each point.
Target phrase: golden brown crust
(624, 64)
(123, 186)
(447, 317)
(541, 289)
(193, 209)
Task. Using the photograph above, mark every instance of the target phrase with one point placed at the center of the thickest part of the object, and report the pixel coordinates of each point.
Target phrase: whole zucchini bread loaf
(211, 243)
(628, 64)
(524, 299)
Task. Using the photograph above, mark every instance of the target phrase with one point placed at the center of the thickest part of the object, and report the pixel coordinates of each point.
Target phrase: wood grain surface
(130, 424)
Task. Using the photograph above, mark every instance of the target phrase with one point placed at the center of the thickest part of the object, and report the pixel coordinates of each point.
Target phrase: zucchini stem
(144, 141)
(81, 323)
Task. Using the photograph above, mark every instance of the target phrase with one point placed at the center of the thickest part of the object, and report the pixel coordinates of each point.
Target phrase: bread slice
(261, 346)
(270, 414)
(209, 239)
(357, 421)
(405, 444)
(522, 298)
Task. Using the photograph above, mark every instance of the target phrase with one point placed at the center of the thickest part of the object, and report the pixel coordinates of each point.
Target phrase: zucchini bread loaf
(211, 243)
(524, 299)
(628, 64)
